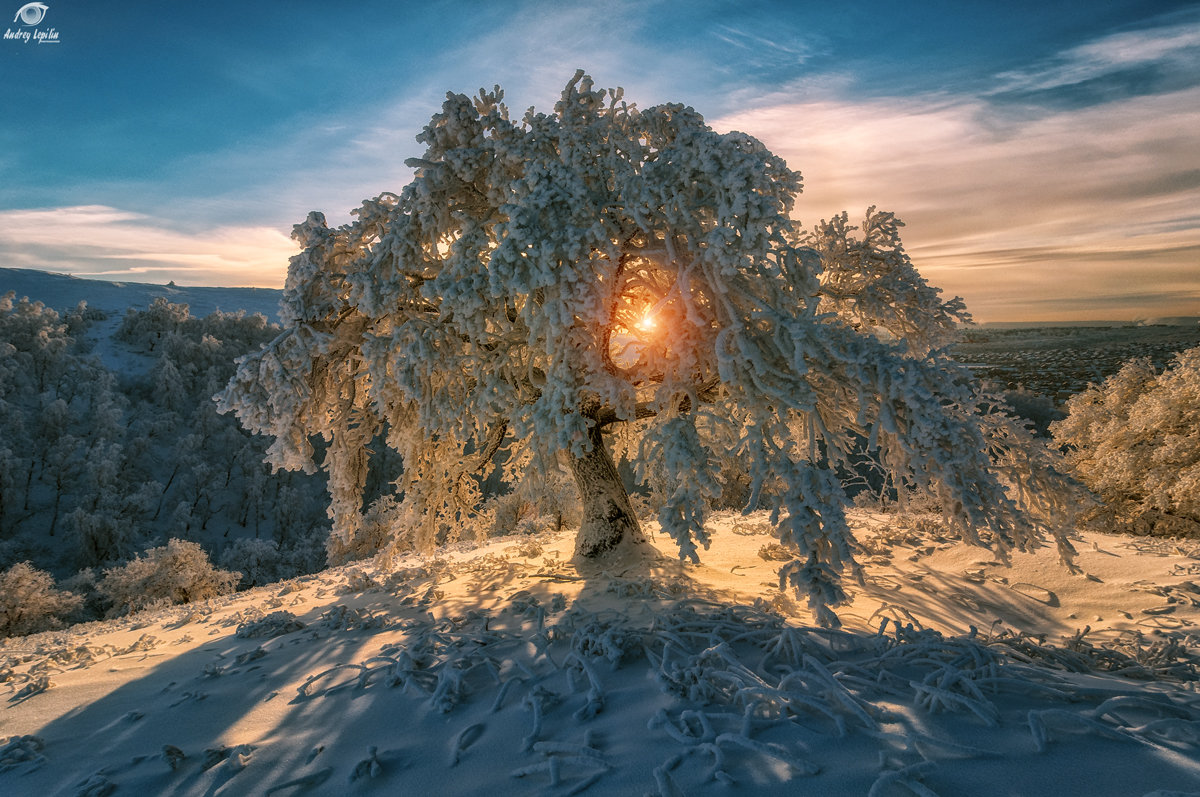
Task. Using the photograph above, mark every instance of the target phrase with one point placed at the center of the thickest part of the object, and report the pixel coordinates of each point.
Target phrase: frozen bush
(30, 602)
(260, 561)
(178, 572)
(548, 502)
(507, 511)
(1039, 410)
(1133, 441)
(83, 584)
(150, 326)
(304, 554)
(265, 561)
(378, 523)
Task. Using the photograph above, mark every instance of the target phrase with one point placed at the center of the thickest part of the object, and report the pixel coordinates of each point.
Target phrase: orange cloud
(99, 241)
(1053, 215)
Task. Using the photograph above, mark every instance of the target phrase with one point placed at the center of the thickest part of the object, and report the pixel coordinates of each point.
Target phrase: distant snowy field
(63, 292)
(504, 670)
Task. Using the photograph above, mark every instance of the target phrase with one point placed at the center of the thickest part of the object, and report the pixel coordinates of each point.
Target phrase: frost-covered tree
(603, 282)
(178, 572)
(30, 601)
(1135, 441)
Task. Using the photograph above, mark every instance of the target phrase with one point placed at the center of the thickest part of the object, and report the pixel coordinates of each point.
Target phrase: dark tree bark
(608, 517)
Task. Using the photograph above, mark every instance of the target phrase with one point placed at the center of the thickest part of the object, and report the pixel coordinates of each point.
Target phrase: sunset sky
(1045, 156)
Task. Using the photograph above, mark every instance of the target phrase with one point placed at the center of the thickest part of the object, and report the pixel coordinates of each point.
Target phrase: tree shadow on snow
(523, 672)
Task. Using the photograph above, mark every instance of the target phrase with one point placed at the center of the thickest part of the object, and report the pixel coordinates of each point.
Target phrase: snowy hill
(63, 292)
(506, 670)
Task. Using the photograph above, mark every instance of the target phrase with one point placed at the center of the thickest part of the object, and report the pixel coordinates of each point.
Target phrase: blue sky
(1045, 156)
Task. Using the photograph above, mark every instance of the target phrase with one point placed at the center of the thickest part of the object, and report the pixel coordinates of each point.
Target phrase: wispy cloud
(1009, 211)
(1149, 60)
(333, 159)
(98, 241)
(759, 49)
(1068, 179)
(222, 214)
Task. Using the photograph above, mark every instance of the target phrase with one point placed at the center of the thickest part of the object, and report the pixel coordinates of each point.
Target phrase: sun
(648, 323)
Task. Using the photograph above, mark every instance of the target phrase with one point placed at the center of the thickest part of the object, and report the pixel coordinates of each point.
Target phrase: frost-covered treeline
(1135, 441)
(100, 462)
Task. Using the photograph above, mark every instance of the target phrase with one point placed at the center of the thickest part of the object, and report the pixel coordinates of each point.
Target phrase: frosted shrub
(1035, 408)
(507, 512)
(305, 553)
(379, 524)
(100, 536)
(511, 514)
(148, 327)
(544, 503)
(1133, 441)
(30, 602)
(260, 561)
(178, 572)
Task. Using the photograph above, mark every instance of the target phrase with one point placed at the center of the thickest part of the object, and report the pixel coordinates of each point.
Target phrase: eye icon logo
(31, 13)
(30, 17)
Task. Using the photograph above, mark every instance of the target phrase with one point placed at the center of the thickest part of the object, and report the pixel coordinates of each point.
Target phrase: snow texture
(509, 670)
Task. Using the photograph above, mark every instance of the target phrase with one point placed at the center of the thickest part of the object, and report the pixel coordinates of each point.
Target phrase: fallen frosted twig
(22, 751)
(1171, 730)
(1040, 723)
(304, 690)
(369, 767)
(465, 738)
(934, 699)
(569, 749)
(172, 755)
(907, 777)
(305, 781)
(800, 765)
(95, 786)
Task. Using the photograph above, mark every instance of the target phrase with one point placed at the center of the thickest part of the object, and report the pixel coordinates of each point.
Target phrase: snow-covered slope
(505, 670)
(63, 292)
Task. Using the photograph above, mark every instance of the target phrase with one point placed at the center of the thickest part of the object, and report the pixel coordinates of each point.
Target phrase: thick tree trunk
(608, 517)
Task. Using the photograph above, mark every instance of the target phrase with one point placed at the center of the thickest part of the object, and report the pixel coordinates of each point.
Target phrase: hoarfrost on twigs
(22, 752)
(554, 293)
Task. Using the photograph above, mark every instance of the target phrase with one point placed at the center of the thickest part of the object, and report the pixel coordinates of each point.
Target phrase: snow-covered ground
(503, 669)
